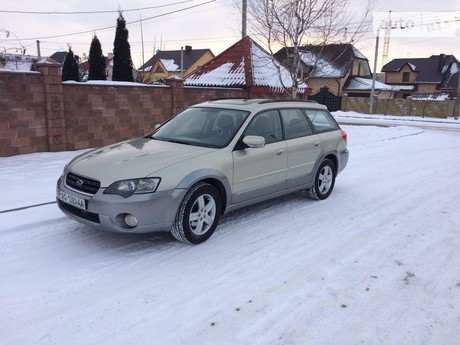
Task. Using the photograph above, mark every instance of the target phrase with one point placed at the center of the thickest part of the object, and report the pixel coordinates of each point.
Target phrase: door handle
(280, 152)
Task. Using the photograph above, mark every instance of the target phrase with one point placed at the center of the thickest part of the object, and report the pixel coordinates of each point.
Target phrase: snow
(358, 54)
(169, 65)
(223, 75)
(350, 117)
(402, 87)
(108, 83)
(17, 66)
(454, 68)
(412, 66)
(376, 263)
(322, 67)
(358, 83)
(233, 72)
(427, 96)
(262, 67)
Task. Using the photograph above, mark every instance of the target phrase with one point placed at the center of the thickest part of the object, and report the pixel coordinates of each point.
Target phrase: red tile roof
(244, 65)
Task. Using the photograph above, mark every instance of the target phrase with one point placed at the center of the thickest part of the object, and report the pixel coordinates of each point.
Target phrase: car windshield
(208, 127)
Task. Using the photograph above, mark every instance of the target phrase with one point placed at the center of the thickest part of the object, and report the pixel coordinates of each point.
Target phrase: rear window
(322, 121)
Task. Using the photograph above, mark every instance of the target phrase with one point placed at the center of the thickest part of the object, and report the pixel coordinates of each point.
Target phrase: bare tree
(292, 24)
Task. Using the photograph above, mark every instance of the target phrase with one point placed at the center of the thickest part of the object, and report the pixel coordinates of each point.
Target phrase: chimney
(441, 63)
(188, 49)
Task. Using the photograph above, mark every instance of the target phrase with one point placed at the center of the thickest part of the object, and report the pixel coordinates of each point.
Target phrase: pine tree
(70, 67)
(122, 63)
(96, 61)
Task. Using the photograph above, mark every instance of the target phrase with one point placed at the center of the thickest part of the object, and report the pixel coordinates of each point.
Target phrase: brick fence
(400, 106)
(39, 113)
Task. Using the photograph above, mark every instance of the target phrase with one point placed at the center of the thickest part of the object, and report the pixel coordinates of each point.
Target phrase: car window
(210, 127)
(321, 120)
(295, 124)
(266, 124)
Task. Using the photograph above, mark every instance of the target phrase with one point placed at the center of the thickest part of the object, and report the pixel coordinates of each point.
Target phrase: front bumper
(154, 211)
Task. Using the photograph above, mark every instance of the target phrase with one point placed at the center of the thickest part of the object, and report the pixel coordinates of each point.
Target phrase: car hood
(134, 158)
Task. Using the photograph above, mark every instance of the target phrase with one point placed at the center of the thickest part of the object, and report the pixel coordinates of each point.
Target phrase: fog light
(131, 221)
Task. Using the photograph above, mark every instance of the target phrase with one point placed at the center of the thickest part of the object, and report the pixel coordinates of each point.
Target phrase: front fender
(207, 174)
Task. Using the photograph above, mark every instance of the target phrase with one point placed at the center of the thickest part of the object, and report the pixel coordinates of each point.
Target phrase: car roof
(256, 104)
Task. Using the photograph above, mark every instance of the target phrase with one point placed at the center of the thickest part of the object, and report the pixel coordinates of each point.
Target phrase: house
(436, 74)
(84, 68)
(59, 57)
(168, 63)
(245, 65)
(15, 62)
(337, 68)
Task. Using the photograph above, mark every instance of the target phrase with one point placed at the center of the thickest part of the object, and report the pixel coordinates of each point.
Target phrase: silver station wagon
(210, 159)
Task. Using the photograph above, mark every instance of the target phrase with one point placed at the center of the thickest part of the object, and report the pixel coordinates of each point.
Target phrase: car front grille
(82, 184)
(92, 217)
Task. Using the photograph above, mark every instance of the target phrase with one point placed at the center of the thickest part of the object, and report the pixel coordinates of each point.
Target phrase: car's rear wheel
(198, 215)
(324, 181)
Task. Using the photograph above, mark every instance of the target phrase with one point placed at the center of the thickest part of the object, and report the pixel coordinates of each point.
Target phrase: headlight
(127, 188)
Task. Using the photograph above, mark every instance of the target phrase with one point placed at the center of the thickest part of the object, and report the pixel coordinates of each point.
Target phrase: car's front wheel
(198, 214)
(324, 181)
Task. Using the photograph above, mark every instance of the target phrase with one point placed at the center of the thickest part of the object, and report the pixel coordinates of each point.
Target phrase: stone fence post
(54, 105)
(177, 94)
(343, 106)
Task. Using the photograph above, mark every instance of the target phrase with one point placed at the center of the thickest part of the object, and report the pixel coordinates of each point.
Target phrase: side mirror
(254, 141)
(158, 125)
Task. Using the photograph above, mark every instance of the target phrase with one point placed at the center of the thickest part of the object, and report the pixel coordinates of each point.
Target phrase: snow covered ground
(376, 263)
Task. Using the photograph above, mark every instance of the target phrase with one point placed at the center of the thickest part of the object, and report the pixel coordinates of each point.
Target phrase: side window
(321, 120)
(267, 125)
(295, 124)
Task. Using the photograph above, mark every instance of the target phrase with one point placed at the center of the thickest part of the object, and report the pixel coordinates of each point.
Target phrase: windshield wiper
(171, 140)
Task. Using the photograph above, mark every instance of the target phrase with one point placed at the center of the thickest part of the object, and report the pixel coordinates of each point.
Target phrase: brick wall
(39, 113)
(100, 115)
(23, 126)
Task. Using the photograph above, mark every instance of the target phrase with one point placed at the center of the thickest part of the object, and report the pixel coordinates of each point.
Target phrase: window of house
(405, 77)
(356, 68)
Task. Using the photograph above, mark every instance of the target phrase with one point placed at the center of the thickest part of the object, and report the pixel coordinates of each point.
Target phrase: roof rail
(285, 101)
(229, 98)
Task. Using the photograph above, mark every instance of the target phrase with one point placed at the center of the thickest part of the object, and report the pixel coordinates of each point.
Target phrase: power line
(93, 12)
(114, 26)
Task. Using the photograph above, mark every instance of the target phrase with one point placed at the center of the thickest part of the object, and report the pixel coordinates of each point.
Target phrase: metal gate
(331, 101)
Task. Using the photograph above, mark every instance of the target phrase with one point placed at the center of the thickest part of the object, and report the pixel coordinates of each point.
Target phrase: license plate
(71, 200)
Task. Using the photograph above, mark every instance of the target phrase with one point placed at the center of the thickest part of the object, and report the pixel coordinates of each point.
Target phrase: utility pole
(182, 62)
(142, 41)
(457, 101)
(371, 101)
(245, 18)
(386, 40)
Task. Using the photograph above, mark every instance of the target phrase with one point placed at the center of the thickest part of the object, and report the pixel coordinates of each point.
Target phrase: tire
(324, 181)
(198, 215)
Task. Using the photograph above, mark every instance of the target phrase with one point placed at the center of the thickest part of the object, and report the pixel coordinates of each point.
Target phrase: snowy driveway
(376, 263)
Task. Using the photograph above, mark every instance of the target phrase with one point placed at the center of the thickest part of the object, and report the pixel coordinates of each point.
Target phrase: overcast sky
(214, 24)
